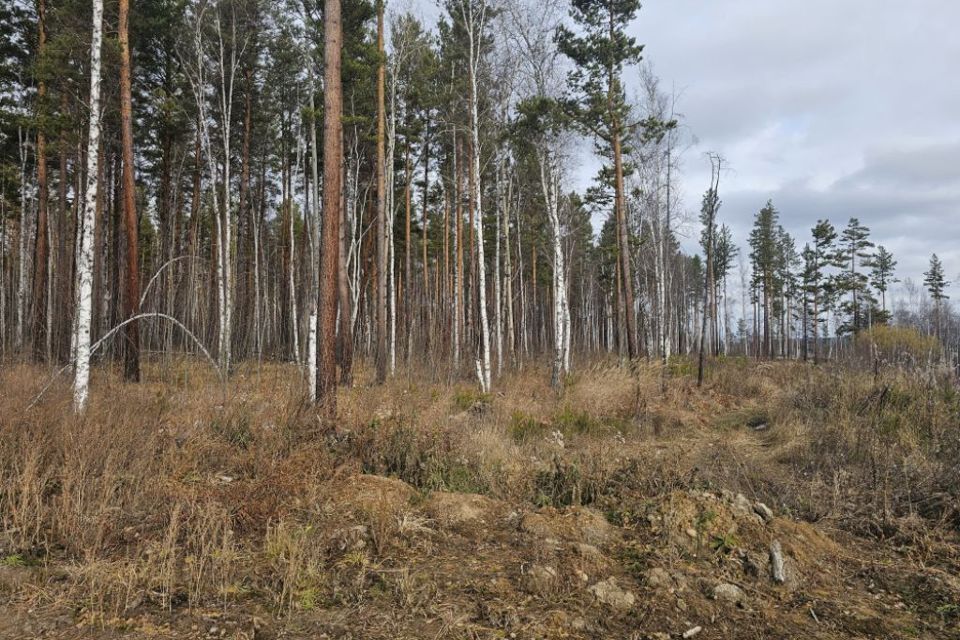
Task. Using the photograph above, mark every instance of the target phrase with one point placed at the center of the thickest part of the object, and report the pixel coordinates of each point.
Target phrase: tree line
(317, 181)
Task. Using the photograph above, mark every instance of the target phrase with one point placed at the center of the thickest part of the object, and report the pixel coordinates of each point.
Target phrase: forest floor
(631, 505)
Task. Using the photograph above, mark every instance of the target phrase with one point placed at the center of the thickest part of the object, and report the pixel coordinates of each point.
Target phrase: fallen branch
(109, 334)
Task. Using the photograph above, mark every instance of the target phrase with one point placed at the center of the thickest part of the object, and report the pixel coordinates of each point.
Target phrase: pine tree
(326, 387)
(937, 285)
(853, 253)
(600, 54)
(131, 225)
(819, 282)
(764, 253)
(724, 253)
(708, 217)
(882, 266)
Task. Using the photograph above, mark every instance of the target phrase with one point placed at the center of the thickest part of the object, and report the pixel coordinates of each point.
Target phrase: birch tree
(85, 253)
(473, 16)
(543, 124)
(381, 169)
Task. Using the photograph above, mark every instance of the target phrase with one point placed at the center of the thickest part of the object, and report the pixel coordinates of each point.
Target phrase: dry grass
(178, 500)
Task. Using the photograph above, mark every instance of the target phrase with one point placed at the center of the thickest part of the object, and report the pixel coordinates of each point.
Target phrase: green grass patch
(465, 399)
(525, 428)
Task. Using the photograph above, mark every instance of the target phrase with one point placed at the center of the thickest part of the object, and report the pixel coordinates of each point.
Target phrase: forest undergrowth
(780, 500)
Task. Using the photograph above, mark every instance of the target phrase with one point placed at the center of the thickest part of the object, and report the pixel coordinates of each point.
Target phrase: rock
(729, 593)
(610, 594)
(586, 559)
(537, 525)
(741, 504)
(763, 511)
(658, 578)
(691, 532)
(540, 578)
(689, 633)
(593, 525)
(777, 570)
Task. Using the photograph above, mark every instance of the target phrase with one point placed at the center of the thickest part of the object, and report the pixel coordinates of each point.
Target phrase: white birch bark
(85, 256)
(391, 211)
(474, 22)
(24, 245)
(548, 183)
(314, 246)
(457, 276)
(227, 76)
(197, 76)
(497, 300)
(508, 268)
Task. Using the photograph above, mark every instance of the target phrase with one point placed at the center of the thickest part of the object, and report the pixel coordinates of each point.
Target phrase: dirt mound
(574, 524)
(369, 494)
(743, 537)
(463, 511)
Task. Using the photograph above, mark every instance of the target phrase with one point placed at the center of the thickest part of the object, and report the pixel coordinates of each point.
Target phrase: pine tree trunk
(329, 256)
(40, 251)
(132, 300)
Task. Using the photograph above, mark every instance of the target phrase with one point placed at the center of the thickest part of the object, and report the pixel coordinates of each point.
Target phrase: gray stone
(741, 504)
(730, 593)
(763, 511)
(658, 578)
(609, 593)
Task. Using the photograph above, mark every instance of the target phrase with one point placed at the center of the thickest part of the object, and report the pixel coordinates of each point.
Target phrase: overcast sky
(831, 108)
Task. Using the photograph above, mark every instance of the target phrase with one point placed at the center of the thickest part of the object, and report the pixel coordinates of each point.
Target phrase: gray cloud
(831, 108)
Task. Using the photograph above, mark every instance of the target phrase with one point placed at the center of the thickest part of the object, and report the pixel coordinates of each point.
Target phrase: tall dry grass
(179, 492)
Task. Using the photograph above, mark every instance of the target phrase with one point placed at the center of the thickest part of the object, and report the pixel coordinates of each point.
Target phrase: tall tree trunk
(132, 329)
(61, 272)
(497, 299)
(245, 213)
(623, 242)
(407, 272)
(314, 245)
(508, 271)
(329, 256)
(40, 251)
(346, 305)
(22, 260)
(458, 266)
(475, 28)
(86, 230)
(381, 355)
(427, 302)
(549, 186)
